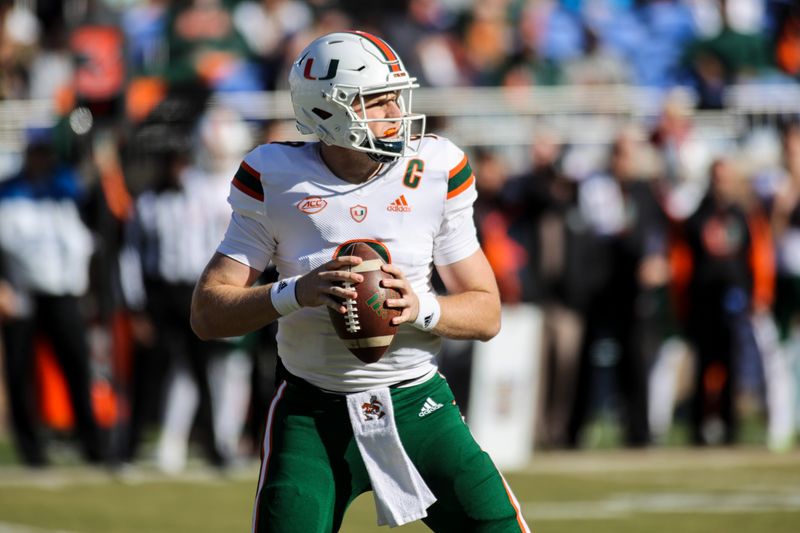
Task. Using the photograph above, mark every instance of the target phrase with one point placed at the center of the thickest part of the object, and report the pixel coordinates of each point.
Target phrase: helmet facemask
(410, 127)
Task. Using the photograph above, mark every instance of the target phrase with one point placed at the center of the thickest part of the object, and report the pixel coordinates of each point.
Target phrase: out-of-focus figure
(685, 155)
(19, 34)
(177, 225)
(44, 267)
(738, 53)
(719, 293)
(506, 256)
(544, 204)
(623, 212)
(266, 26)
(785, 222)
(205, 48)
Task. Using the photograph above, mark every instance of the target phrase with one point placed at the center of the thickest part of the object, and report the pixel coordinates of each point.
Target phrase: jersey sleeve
(249, 238)
(457, 238)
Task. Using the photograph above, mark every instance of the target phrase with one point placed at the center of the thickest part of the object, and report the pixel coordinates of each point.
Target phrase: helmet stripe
(384, 48)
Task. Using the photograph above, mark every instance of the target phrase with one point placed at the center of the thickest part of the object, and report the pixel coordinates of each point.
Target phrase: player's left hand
(408, 303)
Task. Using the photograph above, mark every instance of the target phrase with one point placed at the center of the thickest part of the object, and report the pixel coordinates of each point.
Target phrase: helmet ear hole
(357, 137)
(321, 113)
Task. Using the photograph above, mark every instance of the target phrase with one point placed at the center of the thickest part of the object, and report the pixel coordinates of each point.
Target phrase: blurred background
(638, 163)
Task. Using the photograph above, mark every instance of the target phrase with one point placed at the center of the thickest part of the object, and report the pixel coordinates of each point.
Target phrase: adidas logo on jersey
(400, 205)
(429, 406)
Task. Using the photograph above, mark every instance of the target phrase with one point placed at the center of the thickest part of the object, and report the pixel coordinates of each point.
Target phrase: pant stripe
(265, 451)
(523, 527)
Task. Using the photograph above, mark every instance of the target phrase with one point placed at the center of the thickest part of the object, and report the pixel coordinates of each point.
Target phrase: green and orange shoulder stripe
(248, 180)
(460, 178)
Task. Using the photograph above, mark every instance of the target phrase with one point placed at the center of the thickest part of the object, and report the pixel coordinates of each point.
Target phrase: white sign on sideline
(503, 387)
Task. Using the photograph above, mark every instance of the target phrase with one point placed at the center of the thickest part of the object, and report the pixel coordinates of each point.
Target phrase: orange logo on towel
(373, 410)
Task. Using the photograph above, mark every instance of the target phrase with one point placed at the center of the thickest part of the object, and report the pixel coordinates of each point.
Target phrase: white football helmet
(335, 70)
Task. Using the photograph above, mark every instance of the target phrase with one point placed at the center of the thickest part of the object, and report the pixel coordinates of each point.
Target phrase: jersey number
(413, 173)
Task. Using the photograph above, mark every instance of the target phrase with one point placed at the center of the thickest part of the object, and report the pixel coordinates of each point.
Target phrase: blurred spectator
(685, 155)
(617, 25)
(206, 48)
(552, 30)
(52, 69)
(19, 33)
(598, 65)
(425, 37)
(144, 25)
(738, 53)
(542, 28)
(506, 257)
(622, 210)
(668, 27)
(487, 41)
(44, 252)
(267, 25)
(158, 215)
(785, 222)
(719, 301)
(787, 45)
(547, 223)
(177, 226)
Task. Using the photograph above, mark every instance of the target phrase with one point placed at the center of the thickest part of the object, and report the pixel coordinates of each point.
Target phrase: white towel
(401, 495)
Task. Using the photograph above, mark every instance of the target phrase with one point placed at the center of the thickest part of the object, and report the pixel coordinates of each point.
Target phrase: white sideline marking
(63, 478)
(5, 527)
(656, 460)
(627, 505)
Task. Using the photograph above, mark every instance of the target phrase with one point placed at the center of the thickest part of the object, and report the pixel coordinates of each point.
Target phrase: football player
(338, 427)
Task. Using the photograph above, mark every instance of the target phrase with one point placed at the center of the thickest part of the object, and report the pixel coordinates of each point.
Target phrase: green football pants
(311, 468)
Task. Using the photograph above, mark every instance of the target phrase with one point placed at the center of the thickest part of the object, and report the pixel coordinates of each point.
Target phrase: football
(366, 329)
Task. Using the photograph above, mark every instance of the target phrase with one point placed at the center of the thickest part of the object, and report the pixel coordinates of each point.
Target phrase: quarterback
(338, 427)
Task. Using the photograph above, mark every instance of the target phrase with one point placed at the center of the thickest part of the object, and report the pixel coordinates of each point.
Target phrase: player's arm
(225, 304)
(471, 310)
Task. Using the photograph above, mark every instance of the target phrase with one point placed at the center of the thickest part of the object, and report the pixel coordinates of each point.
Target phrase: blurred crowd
(231, 45)
(666, 265)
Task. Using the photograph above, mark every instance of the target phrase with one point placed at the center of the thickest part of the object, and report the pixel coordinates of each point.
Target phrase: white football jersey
(289, 208)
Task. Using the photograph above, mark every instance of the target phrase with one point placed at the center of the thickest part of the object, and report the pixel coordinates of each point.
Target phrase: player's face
(377, 106)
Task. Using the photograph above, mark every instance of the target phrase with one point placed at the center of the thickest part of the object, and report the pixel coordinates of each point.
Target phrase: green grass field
(742, 490)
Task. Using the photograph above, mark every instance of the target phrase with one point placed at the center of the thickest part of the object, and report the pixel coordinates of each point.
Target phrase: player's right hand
(326, 285)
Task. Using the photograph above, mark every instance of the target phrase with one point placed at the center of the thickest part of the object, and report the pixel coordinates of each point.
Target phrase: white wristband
(429, 312)
(284, 299)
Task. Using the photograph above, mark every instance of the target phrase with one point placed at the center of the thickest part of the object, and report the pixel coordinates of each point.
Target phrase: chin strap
(386, 146)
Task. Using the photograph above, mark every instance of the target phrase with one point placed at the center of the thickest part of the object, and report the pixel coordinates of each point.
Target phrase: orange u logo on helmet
(332, 68)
